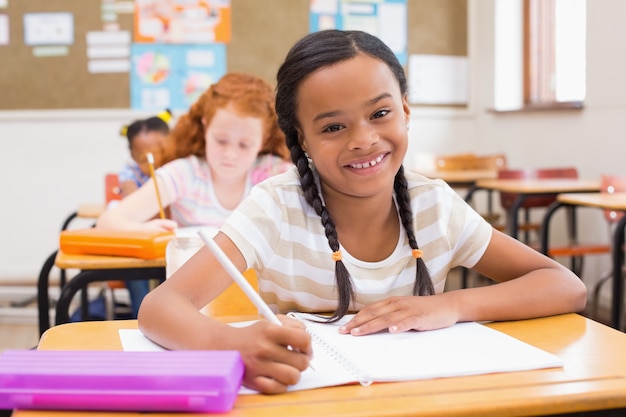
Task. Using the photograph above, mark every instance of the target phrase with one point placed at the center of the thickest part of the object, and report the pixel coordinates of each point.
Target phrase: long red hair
(249, 95)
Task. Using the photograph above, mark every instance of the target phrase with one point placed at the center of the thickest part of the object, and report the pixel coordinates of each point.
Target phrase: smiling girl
(348, 230)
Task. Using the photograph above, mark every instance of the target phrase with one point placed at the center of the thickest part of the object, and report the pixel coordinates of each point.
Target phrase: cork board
(58, 82)
(263, 32)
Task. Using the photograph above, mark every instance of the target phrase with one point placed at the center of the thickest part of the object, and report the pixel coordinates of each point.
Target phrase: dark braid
(311, 195)
(423, 284)
(313, 52)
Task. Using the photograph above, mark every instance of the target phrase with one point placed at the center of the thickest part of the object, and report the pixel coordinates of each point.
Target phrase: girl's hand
(274, 355)
(399, 314)
(160, 225)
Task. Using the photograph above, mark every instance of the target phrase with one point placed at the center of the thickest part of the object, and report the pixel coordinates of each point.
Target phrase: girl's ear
(301, 140)
(406, 108)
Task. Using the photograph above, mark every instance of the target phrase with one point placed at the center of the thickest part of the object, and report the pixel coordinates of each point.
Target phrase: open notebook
(462, 349)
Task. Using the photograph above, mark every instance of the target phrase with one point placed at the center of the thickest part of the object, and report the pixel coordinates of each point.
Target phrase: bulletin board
(262, 33)
(58, 81)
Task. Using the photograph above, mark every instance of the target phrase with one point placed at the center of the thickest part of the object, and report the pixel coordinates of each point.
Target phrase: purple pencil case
(183, 381)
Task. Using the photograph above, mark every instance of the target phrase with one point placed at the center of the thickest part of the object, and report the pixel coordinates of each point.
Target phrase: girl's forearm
(174, 323)
(540, 293)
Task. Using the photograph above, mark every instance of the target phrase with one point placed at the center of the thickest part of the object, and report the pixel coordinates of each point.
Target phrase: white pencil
(239, 278)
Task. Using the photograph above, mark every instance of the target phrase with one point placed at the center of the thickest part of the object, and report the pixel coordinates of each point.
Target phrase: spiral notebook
(463, 349)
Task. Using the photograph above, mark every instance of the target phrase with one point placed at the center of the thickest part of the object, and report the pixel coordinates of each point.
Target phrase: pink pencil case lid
(183, 381)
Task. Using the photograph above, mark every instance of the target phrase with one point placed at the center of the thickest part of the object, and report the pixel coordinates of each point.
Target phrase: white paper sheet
(462, 349)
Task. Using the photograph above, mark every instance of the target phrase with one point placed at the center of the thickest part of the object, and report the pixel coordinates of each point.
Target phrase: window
(540, 54)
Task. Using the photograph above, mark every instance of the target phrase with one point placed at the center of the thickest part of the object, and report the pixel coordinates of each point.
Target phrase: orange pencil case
(136, 244)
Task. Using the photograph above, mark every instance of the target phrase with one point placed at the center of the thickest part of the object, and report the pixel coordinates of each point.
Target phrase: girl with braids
(348, 230)
(227, 142)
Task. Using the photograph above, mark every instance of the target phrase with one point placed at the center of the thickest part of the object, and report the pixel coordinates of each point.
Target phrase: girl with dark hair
(348, 230)
(144, 136)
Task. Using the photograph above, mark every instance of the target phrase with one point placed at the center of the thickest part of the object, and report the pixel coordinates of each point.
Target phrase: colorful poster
(173, 76)
(386, 19)
(182, 21)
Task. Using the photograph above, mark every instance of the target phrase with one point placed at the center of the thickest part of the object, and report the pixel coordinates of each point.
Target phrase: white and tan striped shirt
(283, 239)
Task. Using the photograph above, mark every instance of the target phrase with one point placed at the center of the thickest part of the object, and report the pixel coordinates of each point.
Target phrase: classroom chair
(233, 301)
(455, 162)
(472, 162)
(112, 190)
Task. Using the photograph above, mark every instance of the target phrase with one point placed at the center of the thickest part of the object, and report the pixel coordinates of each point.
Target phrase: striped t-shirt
(283, 239)
(188, 182)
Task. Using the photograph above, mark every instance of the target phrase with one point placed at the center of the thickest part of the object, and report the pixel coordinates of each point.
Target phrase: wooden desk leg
(618, 283)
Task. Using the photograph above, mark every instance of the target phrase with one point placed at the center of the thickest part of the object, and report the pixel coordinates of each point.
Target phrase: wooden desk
(461, 178)
(90, 211)
(604, 201)
(593, 378)
(93, 268)
(84, 211)
(525, 188)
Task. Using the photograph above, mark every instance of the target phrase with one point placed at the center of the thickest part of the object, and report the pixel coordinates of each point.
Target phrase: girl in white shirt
(346, 230)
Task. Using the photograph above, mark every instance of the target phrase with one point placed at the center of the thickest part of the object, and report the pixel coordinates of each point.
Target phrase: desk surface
(594, 377)
(67, 261)
(615, 201)
(90, 211)
(461, 176)
(539, 186)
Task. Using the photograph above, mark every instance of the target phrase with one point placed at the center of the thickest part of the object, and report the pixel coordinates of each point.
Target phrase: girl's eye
(332, 128)
(380, 113)
(244, 146)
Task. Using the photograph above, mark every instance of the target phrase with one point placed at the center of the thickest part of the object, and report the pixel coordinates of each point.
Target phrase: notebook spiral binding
(339, 356)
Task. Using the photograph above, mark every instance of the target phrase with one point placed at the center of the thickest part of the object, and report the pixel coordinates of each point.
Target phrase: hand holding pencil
(241, 281)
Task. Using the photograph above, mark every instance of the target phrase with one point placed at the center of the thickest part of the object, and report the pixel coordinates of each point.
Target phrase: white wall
(53, 161)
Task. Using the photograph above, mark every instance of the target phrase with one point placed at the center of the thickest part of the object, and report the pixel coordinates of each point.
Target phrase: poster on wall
(385, 19)
(182, 21)
(438, 79)
(173, 76)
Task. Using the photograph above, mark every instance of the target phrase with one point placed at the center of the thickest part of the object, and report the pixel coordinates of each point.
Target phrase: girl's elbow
(579, 296)
(144, 314)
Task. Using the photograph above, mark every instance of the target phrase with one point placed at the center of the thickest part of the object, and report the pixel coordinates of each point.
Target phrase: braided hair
(313, 52)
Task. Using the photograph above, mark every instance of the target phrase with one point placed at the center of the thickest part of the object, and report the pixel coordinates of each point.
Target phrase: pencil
(156, 186)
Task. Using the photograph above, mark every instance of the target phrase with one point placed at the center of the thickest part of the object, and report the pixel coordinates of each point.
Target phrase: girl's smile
(367, 166)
